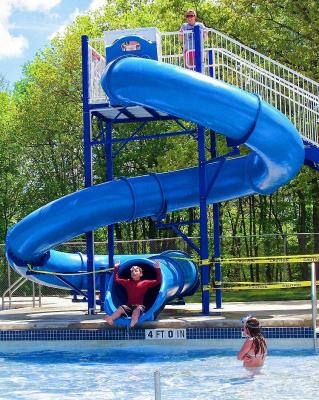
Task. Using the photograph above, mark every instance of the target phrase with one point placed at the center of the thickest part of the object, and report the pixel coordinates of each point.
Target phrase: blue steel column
(205, 270)
(216, 215)
(216, 220)
(88, 176)
(109, 177)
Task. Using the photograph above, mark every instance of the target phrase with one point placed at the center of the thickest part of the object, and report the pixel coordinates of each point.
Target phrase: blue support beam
(73, 287)
(175, 228)
(216, 213)
(204, 253)
(88, 176)
(110, 228)
(130, 118)
(216, 220)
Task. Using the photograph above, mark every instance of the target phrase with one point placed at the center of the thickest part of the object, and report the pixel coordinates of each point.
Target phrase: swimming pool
(126, 372)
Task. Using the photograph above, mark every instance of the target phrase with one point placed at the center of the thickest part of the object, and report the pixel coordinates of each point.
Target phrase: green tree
(286, 30)
(12, 182)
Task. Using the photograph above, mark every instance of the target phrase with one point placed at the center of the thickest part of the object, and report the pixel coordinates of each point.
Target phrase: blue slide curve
(276, 156)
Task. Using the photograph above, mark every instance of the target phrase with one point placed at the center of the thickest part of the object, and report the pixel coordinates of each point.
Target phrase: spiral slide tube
(276, 156)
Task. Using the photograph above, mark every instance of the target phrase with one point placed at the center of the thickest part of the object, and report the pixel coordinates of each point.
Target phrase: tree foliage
(41, 150)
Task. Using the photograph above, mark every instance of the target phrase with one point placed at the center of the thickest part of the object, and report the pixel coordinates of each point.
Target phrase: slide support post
(216, 224)
(205, 269)
(110, 228)
(88, 176)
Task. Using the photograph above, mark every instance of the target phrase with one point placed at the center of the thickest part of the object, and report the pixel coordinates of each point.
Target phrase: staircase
(228, 60)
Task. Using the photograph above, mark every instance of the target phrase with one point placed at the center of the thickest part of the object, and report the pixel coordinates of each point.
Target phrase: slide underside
(276, 155)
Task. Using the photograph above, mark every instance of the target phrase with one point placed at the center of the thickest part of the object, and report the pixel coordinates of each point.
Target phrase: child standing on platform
(186, 34)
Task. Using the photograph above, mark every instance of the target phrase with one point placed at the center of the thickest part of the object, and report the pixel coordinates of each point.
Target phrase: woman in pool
(254, 350)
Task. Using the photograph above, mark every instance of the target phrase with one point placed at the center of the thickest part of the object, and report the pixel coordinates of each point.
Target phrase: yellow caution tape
(270, 260)
(281, 285)
(300, 258)
(43, 272)
(258, 283)
(195, 260)
(242, 260)
(242, 283)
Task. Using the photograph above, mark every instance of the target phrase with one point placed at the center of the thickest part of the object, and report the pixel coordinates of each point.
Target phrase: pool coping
(62, 320)
(150, 335)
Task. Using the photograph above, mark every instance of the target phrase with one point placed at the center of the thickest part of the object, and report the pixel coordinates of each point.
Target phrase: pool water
(187, 373)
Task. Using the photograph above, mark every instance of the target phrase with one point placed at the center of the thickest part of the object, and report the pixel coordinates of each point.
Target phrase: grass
(258, 295)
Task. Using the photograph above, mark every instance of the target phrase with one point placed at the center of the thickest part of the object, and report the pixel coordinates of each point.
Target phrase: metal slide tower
(215, 55)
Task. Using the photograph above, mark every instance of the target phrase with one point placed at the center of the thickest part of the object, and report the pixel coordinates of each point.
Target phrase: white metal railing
(7, 295)
(96, 67)
(296, 103)
(230, 61)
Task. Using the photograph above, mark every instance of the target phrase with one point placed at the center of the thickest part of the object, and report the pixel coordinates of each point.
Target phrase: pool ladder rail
(7, 295)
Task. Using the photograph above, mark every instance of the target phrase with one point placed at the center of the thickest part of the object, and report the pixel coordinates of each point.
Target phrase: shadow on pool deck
(58, 313)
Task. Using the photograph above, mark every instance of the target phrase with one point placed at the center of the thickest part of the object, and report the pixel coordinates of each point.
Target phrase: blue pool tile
(139, 334)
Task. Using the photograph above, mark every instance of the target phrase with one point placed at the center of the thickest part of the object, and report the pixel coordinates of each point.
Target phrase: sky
(27, 26)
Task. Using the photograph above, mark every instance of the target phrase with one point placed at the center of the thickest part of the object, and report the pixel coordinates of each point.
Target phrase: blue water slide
(276, 155)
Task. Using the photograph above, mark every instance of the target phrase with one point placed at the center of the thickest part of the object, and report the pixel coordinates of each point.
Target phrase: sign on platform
(154, 334)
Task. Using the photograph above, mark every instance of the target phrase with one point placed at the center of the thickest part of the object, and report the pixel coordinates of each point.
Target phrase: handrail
(230, 61)
(14, 287)
(100, 41)
(236, 42)
(294, 94)
(256, 53)
(11, 289)
(271, 75)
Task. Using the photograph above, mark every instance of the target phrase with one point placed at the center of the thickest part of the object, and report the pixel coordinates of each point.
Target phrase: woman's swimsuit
(258, 356)
(251, 353)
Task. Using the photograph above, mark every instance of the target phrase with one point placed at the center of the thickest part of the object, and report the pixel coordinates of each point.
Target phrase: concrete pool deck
(62, 313)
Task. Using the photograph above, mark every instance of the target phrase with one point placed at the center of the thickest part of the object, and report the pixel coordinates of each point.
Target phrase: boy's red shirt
(136, 289)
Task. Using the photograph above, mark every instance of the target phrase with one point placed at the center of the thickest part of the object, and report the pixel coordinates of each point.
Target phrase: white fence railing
(96, 67)
(230, 61)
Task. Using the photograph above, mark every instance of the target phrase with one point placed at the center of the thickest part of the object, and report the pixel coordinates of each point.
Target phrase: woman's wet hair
(253, 327)
(252, 322)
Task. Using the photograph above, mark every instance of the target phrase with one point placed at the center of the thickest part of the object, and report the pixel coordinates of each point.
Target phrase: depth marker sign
(154, 334)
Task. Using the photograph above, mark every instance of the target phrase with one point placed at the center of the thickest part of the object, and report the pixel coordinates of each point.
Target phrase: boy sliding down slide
(136, 289)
